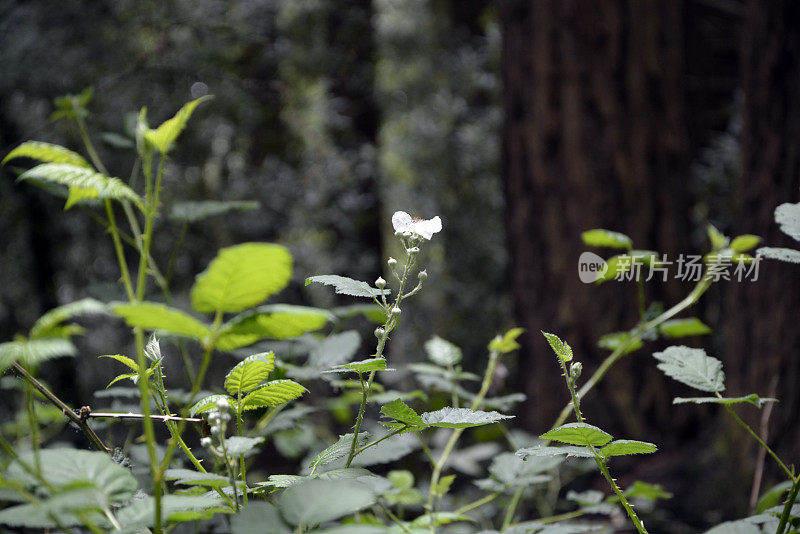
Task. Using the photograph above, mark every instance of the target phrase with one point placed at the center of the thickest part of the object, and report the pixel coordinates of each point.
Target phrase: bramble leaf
(622, 263)
(442, 352)
(441, 518)
(124, 360)
(259, 518)
(364, 366)
(461, 418)
(249, 373)
(205, 404)
(693, 367)
(606, 238)
(236, 445)
(512, 470)
(615, 340)
(156, 316)
(316, 501)
(241, 276)
(579, 452)
(174, 509)
(691, 326)
(46, 325)
(788, 217)
(340, 449)
(46, 153)
(189, 477)
(32, 352)
(781, 254)
(275, 321)
(272, 394)
(507, 342)
(190, 212)
(745, 242)
(624, 447)
(400, 411)
(87, 182)
(578, 434)
(753, 399)
(643, 490)
(562, 350)
(347, 286)
(165, 135)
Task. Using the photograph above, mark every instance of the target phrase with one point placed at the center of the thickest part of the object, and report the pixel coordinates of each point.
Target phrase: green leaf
(124, 360)
(507, 342)
(616, 340)
(249, 373)
(133, 376)
(272, 394)
(46, 153)
(781, 254)
(753, 399)
(373, 312)
(512, 470)
(444, 485)
(788, 217)
(174, 509)
(32, 352)
(643, 490)
(717, 239)
(155, 316)
(364, 366)
(578, 434)
(241, 277)
(237, 445)
(316, 501)
(190, 212)
(258, 518)
(442, 518)
(773, 496)
(347, 286)
(189, 477)
(461, 418)
(692, 367)
(340, 449)
(442, 352)
(742, 526)
(165, 135)
(275, 321)
(578, 452)
(745, 242)
(95, 184)
(562, 350)
(400, 411)
(47, 324)
(691, 326)
(206, 404)
(624, 447)
(606, 238)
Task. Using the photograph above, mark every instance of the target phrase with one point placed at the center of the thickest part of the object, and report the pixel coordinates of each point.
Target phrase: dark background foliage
(521, 123)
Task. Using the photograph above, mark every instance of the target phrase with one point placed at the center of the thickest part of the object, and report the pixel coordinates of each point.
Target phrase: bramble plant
(364, 481)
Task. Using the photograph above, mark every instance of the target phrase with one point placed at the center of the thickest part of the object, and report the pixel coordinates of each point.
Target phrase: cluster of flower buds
(218, 419)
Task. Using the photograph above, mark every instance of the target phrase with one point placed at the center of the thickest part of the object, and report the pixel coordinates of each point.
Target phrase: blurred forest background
(520, 123)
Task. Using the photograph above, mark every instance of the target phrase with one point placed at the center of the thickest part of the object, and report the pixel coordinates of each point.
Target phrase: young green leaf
(512, 470)
(236, 445)
(753, 399)
(442, 352)
(562, 350)
(174, 509)
(440, 518)
(46, 153)
(259, 518)
(190, 212)
(241, 276)
(461, 418)
(133, 376)
(643, 490)
(275, 321)
(717, 239)
(606, 238)
(347, 286)
(578, 452)
(152, 316)
(362, 367)
(340, 449)
(32, 352)
(693, 367)
(47, 324)
(165, 135)
(316, 501)
(400, 411)
(691, 326)
(622, 263)
(444, 485)
(249, 373)
(745, 242)
(624, 447)
(95, 184)
(189, 477)
(507, 342)
(371, 311)
(578, 434)
(206, 404)
(616, 340)
(124, 360)
(788, 217)
(272, 394)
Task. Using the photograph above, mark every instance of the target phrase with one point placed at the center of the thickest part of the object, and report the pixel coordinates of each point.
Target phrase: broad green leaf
(316, 501)
(236, 445)
(242, 276)
(441, 518)
(46, 153)
(617, 340)
(400, 411)
(373, 312)
(364, 366)
(47, 323)
(155, 316)
(717, 239)
(63, 506)
(753, 399)
(578, 452)
(781, 254)
(745, 242)
(190, 212)
(742, 526)
(165, 135)
(275, 321)
(788, 217)
(387, 451)
(693, 367)
(206, 404)
(95, 184)
(443, 486)
(32, 352)
(249, 373)
(606, 238)
(340, 449)
(272, 394)
(624, 447)
(259, 518)
(174, 509)
(124, 360)
(622, 263)
(461, 418)
(442, 352)
(347, 286)
(691, 326)
(402, 479)
(512, 470)
(507, 342)
(189, 477)
(773, 496)
(578, 434)
(643, 490)
(562, 350)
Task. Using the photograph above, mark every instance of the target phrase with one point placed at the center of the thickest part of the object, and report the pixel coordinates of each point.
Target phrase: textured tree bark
(594, 136)
(762, 339)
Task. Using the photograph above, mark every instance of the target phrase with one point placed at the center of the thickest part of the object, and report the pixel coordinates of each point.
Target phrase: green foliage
(163, 137)
(241, 276)
(606, 238)
(624, 447)
(442, 352)
(48, 325)
(753, 399)
(249, 373)
(743, 243)
(617, 340)
(347, 286)
(33, 352)
(84, 183)
(155, 316)
(562, 350)
(402, 413)
(364, 366)
(46, 153)
(187, 477)
(461, 418)
(507, 342)
(272, 394)
(338, 450)
(274, 321)
(191, 212)
(312, 502)
(691, 326)
(693, 367)
(788, 217)
(578, 434)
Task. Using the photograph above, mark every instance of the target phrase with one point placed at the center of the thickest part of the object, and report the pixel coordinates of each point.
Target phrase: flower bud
(215, 429)
(380, 332)
(223, 404)
(205, 442)
(395, 311)
(413, 251)
(380, 283)
(422, 275)
(392, 262)
(575, 370)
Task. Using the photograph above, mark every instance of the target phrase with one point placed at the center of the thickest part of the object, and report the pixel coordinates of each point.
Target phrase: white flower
(408, 226)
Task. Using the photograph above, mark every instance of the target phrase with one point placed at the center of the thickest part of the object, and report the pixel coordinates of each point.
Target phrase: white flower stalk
(409, 226)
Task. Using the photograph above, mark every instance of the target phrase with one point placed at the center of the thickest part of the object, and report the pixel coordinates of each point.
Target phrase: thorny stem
(787, 508)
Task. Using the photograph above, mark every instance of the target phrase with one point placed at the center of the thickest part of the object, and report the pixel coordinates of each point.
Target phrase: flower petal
(427, 228)
(402, 222)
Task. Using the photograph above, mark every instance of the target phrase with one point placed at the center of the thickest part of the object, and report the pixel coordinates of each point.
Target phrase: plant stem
(477, 504)
(511, 509)
(787, 508)
(387, 436)
(393, 517)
